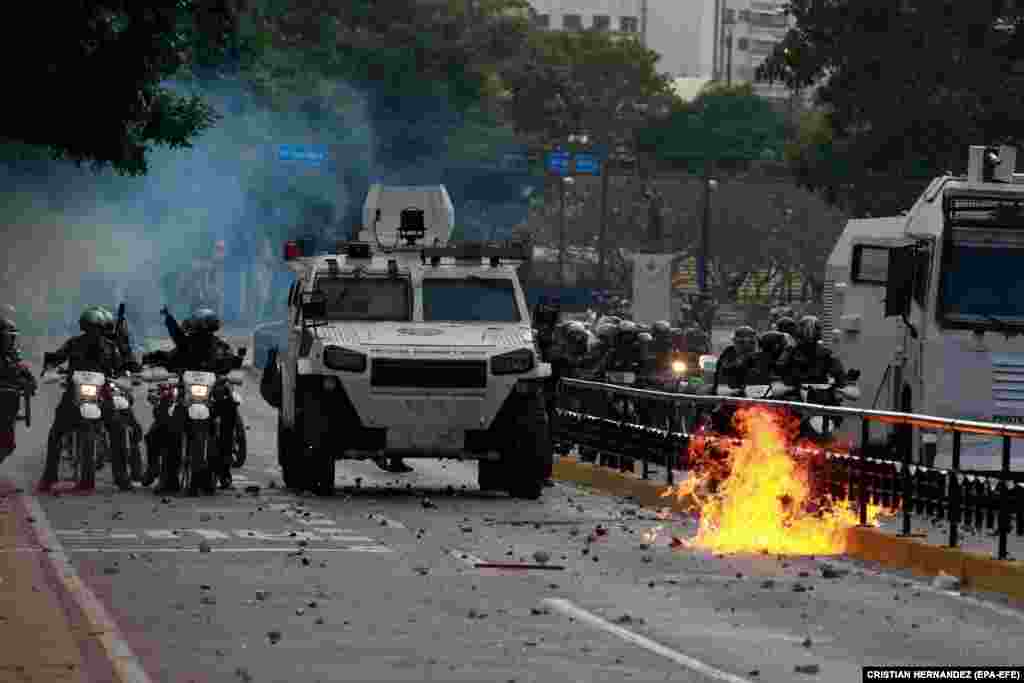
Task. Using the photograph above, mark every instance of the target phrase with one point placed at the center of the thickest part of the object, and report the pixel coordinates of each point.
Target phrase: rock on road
(380, 584)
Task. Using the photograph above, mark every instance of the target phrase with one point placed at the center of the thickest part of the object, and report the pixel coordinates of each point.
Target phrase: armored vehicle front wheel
(490, 475)
(322, 466)
(527, 458)
(289, 456)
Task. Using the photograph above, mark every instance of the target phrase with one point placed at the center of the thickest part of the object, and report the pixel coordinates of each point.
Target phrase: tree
(907, 85)
(724, 123)
(94, 89)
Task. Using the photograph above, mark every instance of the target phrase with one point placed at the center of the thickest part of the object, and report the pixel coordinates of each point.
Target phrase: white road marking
(580, 614)
(920, 585)
(228, 549)
(126, 664)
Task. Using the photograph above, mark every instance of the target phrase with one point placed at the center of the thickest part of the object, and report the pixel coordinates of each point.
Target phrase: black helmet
(8, 334)
(809, 330)
(645, 337)
(92, 319)
(787, 325)
(576, 330)
(109, 323)
(744, 332)
(205, 320)
(772, 342)
(607, 332)
(662, 328)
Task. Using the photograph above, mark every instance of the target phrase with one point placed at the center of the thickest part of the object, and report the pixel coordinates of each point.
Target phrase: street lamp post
(705, 231)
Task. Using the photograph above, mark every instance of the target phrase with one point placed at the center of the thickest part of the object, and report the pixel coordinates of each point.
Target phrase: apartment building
(621, 16)
(748, 31)
(684, 33)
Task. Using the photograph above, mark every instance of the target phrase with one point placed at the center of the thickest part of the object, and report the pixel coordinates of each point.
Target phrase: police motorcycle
(229, 387)
(15, 406)
(84, 447)
(187, 400)
(626, 365)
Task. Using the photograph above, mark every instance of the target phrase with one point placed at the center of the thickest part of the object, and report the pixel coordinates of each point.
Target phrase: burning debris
(757, 493)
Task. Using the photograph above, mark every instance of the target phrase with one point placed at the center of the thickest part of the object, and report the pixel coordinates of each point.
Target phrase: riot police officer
(810, 362)
(763, 367)
(120, 337)
(730, 368)
(90, 351)
(14, 373)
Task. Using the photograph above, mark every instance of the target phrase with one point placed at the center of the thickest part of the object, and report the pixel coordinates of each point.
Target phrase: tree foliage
(93, 90)
(908, 85)
(583, 82)
(722, 123)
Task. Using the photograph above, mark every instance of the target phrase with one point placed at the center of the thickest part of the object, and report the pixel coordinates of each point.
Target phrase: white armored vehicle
(404, 349)
(937, 292)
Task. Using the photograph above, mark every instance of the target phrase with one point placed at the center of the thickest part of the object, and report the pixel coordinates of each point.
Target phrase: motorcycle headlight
(678, 367)
(88, 390)
(199, 391)
(337, 358)
(513, 362)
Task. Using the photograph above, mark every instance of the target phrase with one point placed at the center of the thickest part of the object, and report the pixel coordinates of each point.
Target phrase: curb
(977, 572)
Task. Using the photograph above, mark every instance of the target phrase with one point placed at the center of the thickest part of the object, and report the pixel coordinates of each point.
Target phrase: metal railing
(973, 498)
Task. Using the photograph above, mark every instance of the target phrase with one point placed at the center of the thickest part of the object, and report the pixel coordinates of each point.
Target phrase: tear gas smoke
(73, 237)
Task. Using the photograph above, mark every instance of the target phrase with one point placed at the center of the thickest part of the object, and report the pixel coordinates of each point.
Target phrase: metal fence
(980, 499)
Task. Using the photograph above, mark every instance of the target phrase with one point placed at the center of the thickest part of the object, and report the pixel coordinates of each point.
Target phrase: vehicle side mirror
(899, 284)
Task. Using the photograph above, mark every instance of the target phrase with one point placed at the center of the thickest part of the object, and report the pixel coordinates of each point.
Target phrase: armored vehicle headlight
(337, 358)
(513, 362)
(678, 367)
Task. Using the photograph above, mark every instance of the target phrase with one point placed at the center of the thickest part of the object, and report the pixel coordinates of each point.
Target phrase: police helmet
(8, 333)
(744, 332)
(772, 342)
(645, 337)
(809, 330)
(786, 324)
(205, 321)
(109, 323)
(576, 330)
(92, 319)
(662, 328)
(606, 332)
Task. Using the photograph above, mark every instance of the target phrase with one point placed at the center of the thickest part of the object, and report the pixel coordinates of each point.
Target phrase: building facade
(619, 16)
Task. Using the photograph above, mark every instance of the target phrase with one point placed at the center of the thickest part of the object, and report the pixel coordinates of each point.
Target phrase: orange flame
(757, 494)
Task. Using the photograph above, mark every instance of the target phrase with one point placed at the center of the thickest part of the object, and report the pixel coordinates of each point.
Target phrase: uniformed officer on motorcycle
(787, 326)
(14, 373)
(810, 362)
(729, 371)
(204, 350)
(762, 368)
(90, 351)
(122, 339)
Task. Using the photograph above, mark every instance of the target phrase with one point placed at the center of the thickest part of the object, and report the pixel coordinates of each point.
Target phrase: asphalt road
(380, 584)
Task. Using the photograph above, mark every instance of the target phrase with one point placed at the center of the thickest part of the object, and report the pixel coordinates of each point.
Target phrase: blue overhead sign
(558, 163)
(588, 164)
(309, 154)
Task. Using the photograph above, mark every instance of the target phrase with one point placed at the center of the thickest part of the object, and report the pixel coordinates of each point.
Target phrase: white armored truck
(400, 348)
(938, 293)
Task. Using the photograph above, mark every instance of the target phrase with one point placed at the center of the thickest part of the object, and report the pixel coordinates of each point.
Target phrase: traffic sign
(588, 164)
(558, 163)
(310, 154)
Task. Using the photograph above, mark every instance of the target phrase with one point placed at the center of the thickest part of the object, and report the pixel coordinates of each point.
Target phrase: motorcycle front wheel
(195, 466)
(87, 455)
(240, 447)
